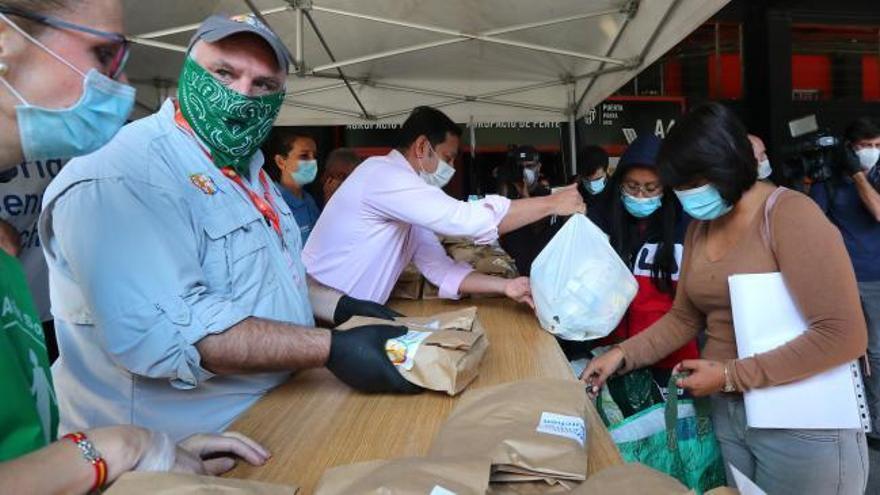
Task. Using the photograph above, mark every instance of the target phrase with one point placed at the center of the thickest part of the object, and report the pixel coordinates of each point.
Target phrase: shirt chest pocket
(237, 259)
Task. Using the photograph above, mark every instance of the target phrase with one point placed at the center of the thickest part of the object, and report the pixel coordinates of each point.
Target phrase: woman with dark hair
(646, 227)
(294, 165)
(748, 226)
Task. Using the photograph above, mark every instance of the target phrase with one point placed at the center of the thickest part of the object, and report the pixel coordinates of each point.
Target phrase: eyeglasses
(634, 188)
(112, 58)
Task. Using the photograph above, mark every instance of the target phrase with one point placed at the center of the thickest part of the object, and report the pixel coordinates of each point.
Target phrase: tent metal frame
(302, 9)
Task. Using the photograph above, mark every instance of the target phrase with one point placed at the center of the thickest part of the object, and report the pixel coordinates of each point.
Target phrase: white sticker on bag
(402, 350)
(439, 490)
(563, 426)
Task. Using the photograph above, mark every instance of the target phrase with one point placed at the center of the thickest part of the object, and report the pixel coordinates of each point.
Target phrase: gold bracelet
(729, 386)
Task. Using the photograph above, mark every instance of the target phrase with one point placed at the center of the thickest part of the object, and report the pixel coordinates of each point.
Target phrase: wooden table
(314, 422)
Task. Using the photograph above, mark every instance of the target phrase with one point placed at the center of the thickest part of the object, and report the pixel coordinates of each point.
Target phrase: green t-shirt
(29, 412)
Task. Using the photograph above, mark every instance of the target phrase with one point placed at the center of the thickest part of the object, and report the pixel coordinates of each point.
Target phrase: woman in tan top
(707, 159)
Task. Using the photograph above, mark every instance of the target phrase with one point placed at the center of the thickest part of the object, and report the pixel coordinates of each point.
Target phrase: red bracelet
(92, 456)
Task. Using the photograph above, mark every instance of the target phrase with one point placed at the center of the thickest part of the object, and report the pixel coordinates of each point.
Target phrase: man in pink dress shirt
(391, 208)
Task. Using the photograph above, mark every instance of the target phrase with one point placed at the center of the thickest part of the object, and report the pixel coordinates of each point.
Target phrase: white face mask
(530, 176)
(764, 169)
(441, 176)
(868, 157)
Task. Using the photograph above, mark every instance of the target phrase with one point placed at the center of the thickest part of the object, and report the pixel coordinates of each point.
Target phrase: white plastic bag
(580, 285)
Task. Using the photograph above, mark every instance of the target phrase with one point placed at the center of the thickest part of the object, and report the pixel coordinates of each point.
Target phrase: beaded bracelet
(92, 456)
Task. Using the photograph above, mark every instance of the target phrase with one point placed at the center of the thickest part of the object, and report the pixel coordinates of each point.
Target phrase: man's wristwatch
(729, 386)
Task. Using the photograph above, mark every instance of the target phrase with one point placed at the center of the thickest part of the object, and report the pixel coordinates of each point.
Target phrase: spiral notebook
(765, 317)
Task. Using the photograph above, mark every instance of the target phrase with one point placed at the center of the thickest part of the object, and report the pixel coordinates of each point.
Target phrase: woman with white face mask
(748, 226)
(764, 168)
(63, 94)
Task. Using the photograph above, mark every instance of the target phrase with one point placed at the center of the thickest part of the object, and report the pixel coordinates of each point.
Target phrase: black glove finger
(349, 306)
(375, 310)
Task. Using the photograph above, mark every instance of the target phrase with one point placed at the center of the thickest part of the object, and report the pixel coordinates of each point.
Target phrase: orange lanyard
(265, 205)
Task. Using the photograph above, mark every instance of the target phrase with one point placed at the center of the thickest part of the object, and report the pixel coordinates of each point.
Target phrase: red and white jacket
(649, 305)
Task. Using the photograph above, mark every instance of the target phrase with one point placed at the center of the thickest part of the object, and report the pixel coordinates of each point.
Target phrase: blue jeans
(796, 462)
(870, 294)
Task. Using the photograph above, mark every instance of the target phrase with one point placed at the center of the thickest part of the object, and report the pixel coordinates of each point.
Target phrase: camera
(814, 155)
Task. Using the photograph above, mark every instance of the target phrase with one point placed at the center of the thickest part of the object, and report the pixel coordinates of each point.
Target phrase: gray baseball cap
(217, 27)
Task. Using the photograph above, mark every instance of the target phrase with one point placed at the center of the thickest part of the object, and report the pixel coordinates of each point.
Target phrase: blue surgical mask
(306, 173)
(704, 202)
(595, 186)
(80, 129)
(641, 207)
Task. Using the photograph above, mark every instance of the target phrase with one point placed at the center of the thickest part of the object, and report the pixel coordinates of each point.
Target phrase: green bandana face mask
(232, 125)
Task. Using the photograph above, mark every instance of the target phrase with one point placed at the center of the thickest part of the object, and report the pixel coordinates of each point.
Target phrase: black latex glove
(358, 359)
(349, 306)
(849, 161)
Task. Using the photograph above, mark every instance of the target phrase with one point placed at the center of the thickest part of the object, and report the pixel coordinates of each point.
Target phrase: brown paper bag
(411, 476)
(429, 290)
(631, 479)
(529, 488)
(534, 427)
(135, 483)
(409, 285)
(484, 259)
(440, 352)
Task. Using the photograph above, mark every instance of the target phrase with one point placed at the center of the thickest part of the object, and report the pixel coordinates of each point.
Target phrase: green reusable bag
(675, 438)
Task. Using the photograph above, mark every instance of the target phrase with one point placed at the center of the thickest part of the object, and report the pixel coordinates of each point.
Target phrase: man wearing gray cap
(176, 281)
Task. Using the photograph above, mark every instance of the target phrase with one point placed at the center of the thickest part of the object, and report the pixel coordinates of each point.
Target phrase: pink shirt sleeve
(432, 260)
(403, 196)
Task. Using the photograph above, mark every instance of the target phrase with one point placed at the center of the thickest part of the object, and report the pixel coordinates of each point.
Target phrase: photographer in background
(528, 163)
(852, 203)
(592, 173)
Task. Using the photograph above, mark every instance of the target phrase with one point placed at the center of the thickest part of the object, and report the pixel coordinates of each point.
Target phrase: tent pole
(158, 44)
(300, 35)
(319, 89)
(460, 36)
(572, 134)
(259, 15)
(365, 115)
(631, 11)
(322, 108)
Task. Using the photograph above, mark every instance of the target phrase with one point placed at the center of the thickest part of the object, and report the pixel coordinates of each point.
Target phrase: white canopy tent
(372, 61)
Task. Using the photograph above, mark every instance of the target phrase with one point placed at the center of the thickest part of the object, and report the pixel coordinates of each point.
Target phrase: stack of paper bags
(440, 352)
(533, 430)
(409, 284)
(490, 260)
(412, 476)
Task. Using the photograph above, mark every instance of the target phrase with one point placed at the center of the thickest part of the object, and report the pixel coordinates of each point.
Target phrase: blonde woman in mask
(63, 94)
